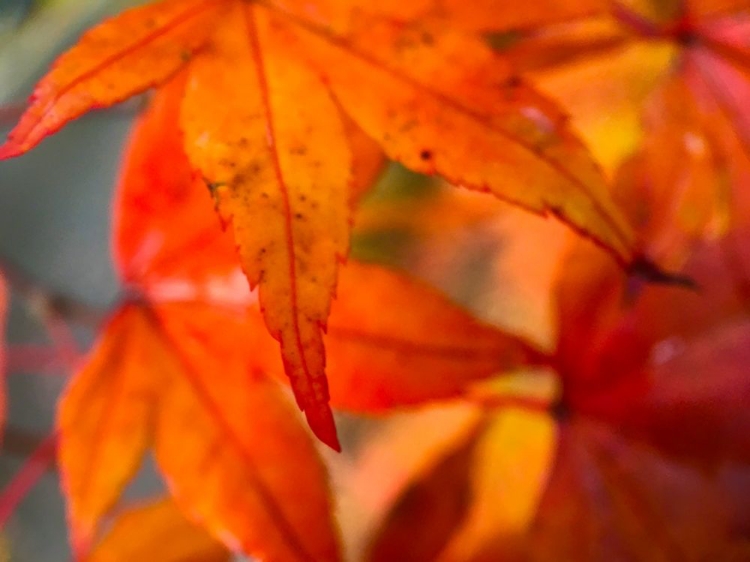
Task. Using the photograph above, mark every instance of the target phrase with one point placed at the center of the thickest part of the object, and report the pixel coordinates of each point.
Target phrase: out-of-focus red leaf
(157, 531)
(631, 328)
(120, 57)
(652, 411)
(697, 406)
(400, 342)
(624, 501)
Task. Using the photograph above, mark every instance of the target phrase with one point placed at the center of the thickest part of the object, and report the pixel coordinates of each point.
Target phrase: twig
(21, 442)
(46, 303)
(38, 462)
(32, 357)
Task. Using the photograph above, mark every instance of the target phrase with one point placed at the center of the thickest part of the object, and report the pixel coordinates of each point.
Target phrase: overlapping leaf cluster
(640, 446)
(280, 112)
(280, 169)
(633, 434)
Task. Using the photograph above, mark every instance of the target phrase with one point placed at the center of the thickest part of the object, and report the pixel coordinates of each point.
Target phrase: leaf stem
(47, 303)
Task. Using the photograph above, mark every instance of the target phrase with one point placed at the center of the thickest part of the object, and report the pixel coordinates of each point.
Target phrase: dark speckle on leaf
(213, 186)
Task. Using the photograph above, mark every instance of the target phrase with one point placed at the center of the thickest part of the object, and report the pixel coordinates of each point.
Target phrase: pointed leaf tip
(320, 419)
(9, 150)
(116, 59)
(285, 191)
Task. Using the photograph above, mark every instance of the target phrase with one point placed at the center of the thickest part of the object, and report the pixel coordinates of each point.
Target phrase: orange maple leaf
(268, 84)
(180, 367)
(400, 342)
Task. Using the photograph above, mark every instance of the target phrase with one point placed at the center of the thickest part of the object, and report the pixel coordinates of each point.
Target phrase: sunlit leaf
(455, 87)
(116, 59)
(183, 366)
(280, 178)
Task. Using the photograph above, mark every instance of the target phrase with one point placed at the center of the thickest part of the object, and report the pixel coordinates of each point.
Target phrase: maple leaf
(401, 343)
(280, 169)
(178, 367)
(191, 316)
(652, 401)
(665, 368)
(157, 530)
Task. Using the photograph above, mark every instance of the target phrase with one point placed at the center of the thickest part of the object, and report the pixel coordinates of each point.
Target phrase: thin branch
(46, 303)
(21, 442)
(38, 462)
(43, 359)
